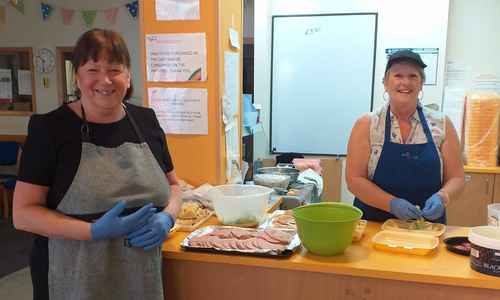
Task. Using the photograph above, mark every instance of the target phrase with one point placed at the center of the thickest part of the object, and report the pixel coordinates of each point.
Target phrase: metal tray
(290, 248)
(268, 223)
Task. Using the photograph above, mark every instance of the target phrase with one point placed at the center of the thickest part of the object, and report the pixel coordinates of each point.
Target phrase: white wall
(401, 24)
(473, 33)
(29, 30)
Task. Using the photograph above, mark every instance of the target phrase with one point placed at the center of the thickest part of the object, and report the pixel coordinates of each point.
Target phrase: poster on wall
(176, 57)
(24, 80)
(168, 10)
(485, 81)
(429, 57)
(5, 86)
(180, 111)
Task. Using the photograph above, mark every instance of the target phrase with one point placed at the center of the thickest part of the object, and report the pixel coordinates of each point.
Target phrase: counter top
(471, 169)
(440, 266)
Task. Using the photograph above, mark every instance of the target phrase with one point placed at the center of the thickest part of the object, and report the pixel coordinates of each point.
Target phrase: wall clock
(44, 61)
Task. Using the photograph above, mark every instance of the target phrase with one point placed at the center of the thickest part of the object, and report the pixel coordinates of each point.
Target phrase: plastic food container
(452, 243)
(485, 250)
(272, 180)
(292, 172)
(405, 226)
(240, 205)
(306, 163)
(405, 242)
(359, 230)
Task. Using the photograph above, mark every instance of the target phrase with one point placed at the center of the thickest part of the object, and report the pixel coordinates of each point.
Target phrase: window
(17, 85)
(65, 79)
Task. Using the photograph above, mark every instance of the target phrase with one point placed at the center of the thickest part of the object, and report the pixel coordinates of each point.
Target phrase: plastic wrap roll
(481, 128)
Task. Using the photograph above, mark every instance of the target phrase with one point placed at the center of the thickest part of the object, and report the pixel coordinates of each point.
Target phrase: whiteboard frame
(271, 148)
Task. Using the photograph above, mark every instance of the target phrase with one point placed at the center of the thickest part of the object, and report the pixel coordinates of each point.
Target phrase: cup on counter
(494, 214)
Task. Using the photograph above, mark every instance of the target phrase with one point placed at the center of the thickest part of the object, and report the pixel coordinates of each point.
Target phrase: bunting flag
(133, 7)
(87, 16)
(110, 15)
(66, 15)
(17, 4)
(46, 10)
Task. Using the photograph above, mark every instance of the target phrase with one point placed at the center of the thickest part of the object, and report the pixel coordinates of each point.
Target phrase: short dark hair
(92, 43)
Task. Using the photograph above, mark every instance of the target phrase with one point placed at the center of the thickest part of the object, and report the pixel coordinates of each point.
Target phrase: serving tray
(292, 245)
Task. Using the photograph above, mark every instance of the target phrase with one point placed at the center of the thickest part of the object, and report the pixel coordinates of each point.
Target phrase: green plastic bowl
(326, 228)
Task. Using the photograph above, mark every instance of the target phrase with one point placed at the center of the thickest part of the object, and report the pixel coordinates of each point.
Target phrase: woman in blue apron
(404, 155)
(97, 185)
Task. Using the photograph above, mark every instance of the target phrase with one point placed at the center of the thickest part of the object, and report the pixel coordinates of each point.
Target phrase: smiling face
(403, 83)
(102, 84)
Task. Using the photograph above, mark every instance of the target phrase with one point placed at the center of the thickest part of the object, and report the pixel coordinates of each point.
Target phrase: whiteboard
(321, 80)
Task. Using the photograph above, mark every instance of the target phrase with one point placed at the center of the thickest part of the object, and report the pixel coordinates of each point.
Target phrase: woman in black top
(97, 185)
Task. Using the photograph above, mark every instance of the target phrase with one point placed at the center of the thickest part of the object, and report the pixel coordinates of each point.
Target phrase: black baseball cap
(404, 55)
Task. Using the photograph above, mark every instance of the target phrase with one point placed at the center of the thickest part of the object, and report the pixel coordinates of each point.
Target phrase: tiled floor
(17, 285)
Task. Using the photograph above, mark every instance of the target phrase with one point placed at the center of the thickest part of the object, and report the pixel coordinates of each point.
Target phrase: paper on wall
(458, 73)
(180, 111)
(232, 145)
(5, 85)
(453, 106)
(233, 38)
(24, 79)
(485, 81)
(176, 57)
(232, 79)
(226, 110)
(167, 10)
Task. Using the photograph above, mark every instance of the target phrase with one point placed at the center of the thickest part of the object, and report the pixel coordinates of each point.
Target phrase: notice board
(322, 75)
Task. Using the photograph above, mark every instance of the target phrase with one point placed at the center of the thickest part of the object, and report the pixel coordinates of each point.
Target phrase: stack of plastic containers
(481, 128)
(308, 163)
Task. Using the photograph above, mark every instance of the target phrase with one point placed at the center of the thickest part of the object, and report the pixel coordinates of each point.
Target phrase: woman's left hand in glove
(433, 208)
(154, 233)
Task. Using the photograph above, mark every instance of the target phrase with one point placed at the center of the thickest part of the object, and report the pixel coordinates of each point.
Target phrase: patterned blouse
(435, 120)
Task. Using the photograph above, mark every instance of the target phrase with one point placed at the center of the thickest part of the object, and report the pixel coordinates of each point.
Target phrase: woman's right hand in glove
(404, 210)
(111, 225)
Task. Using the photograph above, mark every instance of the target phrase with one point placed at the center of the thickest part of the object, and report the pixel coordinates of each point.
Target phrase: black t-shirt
(51, 156)
(53, 147)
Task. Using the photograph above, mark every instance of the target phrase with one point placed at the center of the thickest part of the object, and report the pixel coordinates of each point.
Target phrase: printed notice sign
(5, 85)
(176, 57)
(180, 111)
(24, 80)
(485, 81)
(429, 57)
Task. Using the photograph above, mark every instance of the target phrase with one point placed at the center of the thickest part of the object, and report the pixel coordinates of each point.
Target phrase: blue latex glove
(404, 210)
(154, 233)
(111, 225)
(433, 208)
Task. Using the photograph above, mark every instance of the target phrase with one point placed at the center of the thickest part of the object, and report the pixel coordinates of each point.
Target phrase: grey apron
(110, 268)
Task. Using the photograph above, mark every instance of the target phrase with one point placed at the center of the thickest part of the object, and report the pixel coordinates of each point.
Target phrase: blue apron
(411, 172)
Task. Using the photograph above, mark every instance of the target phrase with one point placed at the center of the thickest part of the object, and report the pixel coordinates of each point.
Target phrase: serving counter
(361, 272)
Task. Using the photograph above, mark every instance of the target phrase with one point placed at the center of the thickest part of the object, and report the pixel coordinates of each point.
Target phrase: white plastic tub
(485, 250)
(240, 205)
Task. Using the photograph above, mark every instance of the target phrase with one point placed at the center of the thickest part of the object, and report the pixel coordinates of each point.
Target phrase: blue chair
(9, 156)
(8, 185)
